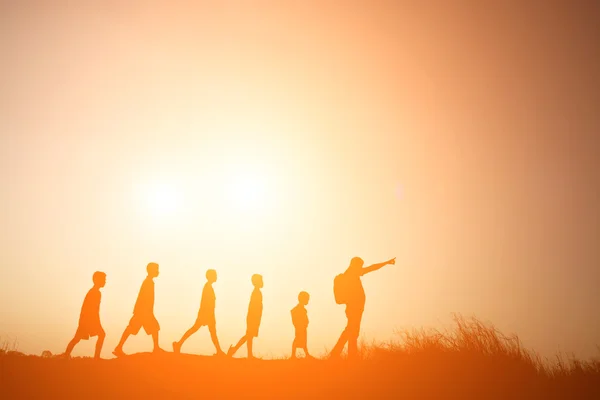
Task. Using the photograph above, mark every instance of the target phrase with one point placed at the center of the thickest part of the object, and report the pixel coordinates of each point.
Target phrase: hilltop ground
(475, 362)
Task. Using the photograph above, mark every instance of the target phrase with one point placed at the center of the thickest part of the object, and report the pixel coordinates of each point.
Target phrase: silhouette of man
(89, 318)
(300, 321)
(206, 315)
(355, 305)
(143, 313)
(253, 318)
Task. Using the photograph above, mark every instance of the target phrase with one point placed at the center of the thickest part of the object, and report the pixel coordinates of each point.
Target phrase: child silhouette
(206, 315)
(300, 321)
(143, 313)
(255, 309)
(89, 318)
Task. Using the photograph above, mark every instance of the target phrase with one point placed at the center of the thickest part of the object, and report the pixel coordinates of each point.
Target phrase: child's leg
(306, 354)
(249, 344)
(232, 350)
(188, 333)
(213, 336)
(99, 344)
(241, 342)
(155, 341)
(124, 337)
(294, 349)
(71, 345)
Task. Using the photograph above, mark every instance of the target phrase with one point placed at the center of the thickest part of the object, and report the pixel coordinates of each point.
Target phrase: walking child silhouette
(143, 313)
(89, 318)
(253, 318)
(206, 315)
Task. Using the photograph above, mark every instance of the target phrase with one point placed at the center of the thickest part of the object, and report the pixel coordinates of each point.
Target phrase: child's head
(152, 270)
(257, 281)
(99, 279)
(211, 275)
(303, 298)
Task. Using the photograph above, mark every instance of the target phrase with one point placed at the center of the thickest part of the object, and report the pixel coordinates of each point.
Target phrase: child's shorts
(301, 336)
(149, 323)
(85, 332)
(252, 330)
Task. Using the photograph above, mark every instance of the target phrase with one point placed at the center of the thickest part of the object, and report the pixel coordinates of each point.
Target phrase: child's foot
(119, 353)
(176, 347)
(158, 350)
(220, 353)
(230, 351)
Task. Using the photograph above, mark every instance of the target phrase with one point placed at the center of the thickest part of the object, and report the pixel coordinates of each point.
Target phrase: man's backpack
(340, 289)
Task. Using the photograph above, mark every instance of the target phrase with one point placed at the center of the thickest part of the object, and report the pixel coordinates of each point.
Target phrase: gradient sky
(284, 138)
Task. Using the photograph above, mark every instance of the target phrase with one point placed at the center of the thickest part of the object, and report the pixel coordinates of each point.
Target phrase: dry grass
(474, 352)
(472, 338)
(8, 346)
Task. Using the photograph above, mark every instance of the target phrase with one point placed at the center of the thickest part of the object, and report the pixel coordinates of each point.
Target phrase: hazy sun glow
(248, 192)
(162, 199)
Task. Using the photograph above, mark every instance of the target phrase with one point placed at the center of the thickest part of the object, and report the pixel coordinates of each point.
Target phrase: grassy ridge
(473, 338)
(473, 360)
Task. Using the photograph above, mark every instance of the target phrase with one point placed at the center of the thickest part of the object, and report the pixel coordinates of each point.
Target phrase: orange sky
(286, 138)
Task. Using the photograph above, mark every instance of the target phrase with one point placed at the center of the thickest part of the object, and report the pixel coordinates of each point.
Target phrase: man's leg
(352, 347)
(212, 328)
(339, 346)
(307, 354)
(99, 344)
(354, 319)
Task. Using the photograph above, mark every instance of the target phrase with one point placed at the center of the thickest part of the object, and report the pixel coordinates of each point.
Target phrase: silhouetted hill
(187, 376)
(472, 362)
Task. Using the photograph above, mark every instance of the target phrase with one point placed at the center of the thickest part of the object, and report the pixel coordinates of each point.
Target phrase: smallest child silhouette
(300, 321)
(89, 319)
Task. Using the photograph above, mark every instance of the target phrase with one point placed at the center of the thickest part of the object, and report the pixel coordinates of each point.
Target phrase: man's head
(303, 298)
(99, 279)
(356, 264)
(152, 270)
(211, 275)
(257, 281)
